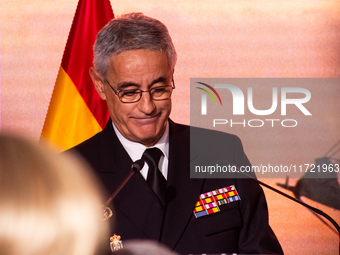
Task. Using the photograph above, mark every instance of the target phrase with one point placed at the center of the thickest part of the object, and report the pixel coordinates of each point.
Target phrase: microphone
(135, 167)
(329, 218)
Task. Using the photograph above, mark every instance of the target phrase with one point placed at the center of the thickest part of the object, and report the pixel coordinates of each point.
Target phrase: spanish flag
(76, 112)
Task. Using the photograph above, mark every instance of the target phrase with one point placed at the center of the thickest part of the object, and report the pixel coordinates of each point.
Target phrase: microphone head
(137, 165)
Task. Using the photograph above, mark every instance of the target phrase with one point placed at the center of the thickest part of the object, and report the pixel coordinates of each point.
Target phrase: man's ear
(98, 82)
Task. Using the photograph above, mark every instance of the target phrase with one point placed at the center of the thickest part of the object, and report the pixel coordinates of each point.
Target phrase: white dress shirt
(136, 150)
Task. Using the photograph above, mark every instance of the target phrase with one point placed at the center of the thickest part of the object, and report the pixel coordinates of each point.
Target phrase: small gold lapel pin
(107, 213)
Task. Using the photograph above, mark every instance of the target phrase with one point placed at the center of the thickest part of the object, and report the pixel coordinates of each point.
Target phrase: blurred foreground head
(49, 202)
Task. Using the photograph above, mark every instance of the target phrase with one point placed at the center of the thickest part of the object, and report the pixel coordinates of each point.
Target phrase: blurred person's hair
(49, 203)
(132, 31)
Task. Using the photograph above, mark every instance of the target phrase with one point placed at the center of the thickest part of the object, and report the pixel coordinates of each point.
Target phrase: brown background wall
(214, 38)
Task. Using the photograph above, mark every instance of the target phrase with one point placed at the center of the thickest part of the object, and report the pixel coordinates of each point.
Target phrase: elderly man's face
(143, 121)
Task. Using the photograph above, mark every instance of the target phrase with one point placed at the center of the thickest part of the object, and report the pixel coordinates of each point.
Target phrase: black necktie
(155, 178)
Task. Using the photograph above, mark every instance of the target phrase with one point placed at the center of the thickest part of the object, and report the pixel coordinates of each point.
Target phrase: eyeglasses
(134, 95)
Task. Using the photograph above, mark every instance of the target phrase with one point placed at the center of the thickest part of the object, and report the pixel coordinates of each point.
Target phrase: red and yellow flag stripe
(76, 112)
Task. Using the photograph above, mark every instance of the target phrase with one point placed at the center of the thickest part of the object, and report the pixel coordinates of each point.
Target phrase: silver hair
(133, 31)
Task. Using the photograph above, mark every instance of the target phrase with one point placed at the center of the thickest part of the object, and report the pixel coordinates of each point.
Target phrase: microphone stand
(135, 167)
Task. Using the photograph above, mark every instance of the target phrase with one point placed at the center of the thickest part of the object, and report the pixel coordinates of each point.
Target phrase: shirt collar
(136, 150)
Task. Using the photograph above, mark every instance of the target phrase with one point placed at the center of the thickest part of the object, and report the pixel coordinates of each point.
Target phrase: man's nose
(146, 104)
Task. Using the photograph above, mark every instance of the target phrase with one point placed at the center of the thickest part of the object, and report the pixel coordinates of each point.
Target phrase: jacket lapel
(136, 200)
(141, 206)
(182, 192)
